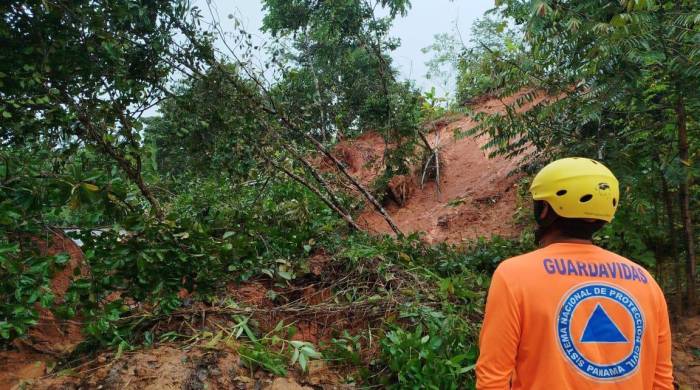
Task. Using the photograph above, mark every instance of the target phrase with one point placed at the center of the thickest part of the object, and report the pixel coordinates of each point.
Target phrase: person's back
(574, 316)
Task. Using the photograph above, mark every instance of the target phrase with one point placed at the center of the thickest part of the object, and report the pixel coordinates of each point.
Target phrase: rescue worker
(572, 315)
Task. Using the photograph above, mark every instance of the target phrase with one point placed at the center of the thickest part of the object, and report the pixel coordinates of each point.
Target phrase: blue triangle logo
(601, 329)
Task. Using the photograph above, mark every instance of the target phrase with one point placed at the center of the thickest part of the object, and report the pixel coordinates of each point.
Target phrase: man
(572, 315)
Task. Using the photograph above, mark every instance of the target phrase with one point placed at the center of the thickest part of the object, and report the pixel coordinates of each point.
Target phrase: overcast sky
(416, 31)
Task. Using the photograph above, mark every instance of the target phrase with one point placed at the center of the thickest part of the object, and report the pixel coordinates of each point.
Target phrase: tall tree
(618, 74)
(79, 71)
(342, 72)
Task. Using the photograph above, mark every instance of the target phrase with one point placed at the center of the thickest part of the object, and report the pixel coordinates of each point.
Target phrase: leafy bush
(439, 353)
(150, 261)
(267, 218)
(34, 194)
(432, 341)
(26, 277)
(484, 254)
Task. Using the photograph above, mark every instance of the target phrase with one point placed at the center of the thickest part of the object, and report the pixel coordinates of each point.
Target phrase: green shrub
(484, 254)
(436, 354)
(26, 281)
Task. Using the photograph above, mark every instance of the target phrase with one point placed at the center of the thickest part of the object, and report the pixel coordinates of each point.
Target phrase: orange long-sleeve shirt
(574, 316)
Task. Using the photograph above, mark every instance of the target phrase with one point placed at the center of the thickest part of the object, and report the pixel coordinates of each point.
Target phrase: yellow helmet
(578, 188)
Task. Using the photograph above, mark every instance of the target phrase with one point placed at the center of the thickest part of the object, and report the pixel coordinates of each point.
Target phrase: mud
(168, 367)
(476, 194)
(36, 354)
(53, 335)
(293, 306)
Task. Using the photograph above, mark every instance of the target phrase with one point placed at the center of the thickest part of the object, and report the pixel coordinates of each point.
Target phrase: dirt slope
(477, 194)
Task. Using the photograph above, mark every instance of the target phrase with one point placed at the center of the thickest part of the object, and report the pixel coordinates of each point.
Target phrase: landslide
(475, 197)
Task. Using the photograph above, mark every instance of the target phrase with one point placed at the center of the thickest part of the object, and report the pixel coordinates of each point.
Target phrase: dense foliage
(622, 80)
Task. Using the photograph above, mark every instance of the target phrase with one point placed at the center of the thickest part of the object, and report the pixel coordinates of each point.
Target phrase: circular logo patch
(600, 329)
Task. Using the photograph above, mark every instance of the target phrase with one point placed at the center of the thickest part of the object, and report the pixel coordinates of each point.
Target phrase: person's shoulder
(646, 275)
(612, 256)
(517, 264)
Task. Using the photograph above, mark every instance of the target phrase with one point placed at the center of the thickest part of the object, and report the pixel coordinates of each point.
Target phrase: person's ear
(544, 212)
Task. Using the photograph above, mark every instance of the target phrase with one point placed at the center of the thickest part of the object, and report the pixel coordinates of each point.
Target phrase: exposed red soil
(318, 262)
(301, 307)
(476, 196)
(252, 294)
(362, 156)
(53, 335)
(18, 367)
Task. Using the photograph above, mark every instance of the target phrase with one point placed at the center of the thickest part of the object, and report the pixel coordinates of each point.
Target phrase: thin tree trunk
(333, 202)
(321, 181)
(339, 165)
(437, 163)
(659, 259)
(317, 92)
(357, 184)
(677, 277)
(299, 179)
(425, 141)
(685, 205)
(90, 133)
(286, 122)
(321, 106)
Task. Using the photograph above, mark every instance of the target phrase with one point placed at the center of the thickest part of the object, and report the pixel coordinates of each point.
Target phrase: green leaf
(302, 361)
(309, 351)
(618, 20)
(295, 356)
(90, 187)
(467, 369)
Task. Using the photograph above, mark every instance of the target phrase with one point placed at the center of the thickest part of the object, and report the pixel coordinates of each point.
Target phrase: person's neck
(556, 237)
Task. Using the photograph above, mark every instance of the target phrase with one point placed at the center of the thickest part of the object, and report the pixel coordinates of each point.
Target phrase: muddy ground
(201, 367)
(476, 195)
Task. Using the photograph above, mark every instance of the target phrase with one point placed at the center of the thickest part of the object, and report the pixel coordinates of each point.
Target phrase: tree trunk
(355, 183)
(425, 141)
(351, 223)
(323, 183)
(677, 274)
(287, 123)
(685, 205)
(92, 134)
(332, 201)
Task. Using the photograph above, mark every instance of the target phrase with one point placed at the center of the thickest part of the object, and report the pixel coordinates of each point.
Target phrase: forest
(182, 206)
